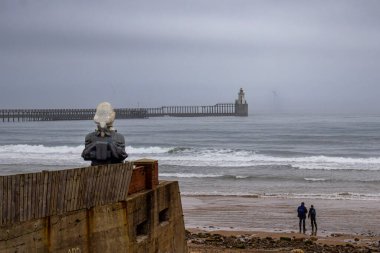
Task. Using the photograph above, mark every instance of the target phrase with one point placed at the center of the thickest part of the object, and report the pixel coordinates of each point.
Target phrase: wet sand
(360, 217)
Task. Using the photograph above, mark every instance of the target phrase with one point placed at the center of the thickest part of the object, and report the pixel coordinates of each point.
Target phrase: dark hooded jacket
(104, 150)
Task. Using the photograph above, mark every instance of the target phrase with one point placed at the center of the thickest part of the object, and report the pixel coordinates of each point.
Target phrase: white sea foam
(15, 154)
(241, 177)
(331, 196)
(41, 155)
(39, 149)
(188, 175)
(337, 196)
(314, 179)
(246, 159)
(147, 150)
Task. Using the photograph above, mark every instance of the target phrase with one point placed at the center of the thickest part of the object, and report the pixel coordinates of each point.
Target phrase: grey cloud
(317, 56)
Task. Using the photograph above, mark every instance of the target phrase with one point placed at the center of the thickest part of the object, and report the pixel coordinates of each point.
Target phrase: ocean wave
(178, 150)
(315, 179)
(189, 175)
(200, 157)
(220, 194)
(247, 159)
(23, 154)
(148, 150)
(333, 196)
(322, 196)
(40, 149)
(242, 177)
(220, 176)
(179, 175)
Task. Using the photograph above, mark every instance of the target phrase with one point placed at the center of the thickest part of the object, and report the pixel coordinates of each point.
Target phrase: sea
(266, 156)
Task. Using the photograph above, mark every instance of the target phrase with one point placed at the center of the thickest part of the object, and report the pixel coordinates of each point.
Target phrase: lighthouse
(241, 106)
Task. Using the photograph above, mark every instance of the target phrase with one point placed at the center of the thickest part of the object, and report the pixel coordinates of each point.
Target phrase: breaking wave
(324, 196)
(315, 179)
(183, 156)
(188, 175)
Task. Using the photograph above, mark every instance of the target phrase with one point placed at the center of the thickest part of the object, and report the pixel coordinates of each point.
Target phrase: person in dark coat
(105, 145)
(302, 211)
(312, 216)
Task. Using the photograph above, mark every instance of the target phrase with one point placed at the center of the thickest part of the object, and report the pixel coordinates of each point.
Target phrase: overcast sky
(289, 56)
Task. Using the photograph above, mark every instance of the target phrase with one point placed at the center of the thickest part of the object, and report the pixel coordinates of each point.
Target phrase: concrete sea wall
(123, 209)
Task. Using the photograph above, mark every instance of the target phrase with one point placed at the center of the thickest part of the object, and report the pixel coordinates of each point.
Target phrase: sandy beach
(340, 222)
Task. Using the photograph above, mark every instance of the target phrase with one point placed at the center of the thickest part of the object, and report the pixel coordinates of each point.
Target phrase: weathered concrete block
(24, 237)
(108, 228)
(68, 232)
(77, 211)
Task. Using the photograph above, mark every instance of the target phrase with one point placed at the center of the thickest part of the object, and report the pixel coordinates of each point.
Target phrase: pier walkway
(19, 115)
(239, 108)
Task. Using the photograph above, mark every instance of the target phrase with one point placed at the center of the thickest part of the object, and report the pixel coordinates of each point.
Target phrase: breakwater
(109, 208)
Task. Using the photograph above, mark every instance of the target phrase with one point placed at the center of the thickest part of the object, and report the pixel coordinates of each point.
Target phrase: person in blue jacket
(312, 216)
(302, 211)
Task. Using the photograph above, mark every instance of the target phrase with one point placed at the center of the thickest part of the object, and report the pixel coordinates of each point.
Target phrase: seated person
(105, 145)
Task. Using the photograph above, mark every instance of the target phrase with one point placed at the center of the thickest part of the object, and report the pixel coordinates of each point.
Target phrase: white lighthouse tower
(241, 97)
(241, 106)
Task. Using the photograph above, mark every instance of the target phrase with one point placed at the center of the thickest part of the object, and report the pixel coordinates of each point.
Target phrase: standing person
(312, 216)
(302, 211)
